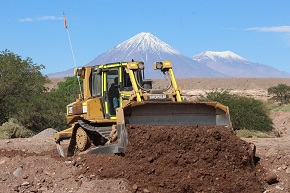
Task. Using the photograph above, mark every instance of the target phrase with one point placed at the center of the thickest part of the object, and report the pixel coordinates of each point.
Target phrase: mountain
(62, 74)
(234, 65)
(148, 48)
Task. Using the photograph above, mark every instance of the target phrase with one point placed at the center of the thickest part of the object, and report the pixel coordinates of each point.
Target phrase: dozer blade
(59, 150)
(122, 143)
(177, 113)
(61, 135)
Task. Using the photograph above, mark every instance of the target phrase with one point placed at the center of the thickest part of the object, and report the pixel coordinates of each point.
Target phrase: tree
(280, 93)
(246, 113)
(21, 89)
(24, 97)
(66, 92)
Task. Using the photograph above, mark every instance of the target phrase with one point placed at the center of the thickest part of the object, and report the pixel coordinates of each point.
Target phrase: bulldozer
(117, 94)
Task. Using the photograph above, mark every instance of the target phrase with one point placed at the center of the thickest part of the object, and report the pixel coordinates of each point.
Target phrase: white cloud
(271, 29)
(48, 18)
(25, 19)
(41, 18)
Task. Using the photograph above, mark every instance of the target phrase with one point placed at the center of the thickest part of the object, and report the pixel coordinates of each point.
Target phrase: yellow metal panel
(167, 64)
(104, 83)
(86, 86)
(106, 106)
(94, 109)
(174, 84)
(120, 75)
(134, 85)
(132, 65)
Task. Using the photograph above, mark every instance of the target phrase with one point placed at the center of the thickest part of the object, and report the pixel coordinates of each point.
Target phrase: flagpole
(72, 51)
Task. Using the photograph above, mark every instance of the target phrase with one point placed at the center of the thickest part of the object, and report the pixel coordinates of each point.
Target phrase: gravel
(47, 133)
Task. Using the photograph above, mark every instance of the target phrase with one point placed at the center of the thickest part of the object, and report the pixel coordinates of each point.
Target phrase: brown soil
(158, 159)
(182, 159)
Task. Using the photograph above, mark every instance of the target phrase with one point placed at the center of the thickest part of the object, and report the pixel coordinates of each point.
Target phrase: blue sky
(258, 30)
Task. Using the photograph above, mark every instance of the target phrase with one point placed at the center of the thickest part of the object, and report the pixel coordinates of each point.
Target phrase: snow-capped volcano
(149, 49)
(143, 42)
(216, 56)
(234, 65)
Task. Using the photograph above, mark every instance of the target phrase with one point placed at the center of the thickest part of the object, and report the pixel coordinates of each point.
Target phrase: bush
(283, 108)
(246, 113)
(12, 129)
(249, 134)
(280, 93)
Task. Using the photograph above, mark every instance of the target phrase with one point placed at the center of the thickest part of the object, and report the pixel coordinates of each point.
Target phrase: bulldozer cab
(112, 84)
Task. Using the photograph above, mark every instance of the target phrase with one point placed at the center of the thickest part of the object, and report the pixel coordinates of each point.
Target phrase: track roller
(83, 141)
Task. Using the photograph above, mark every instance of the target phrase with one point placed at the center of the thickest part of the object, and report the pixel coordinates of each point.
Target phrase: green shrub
(249, 134)
(283, 108)
(246, 113)
(280, 93)
(12, 129)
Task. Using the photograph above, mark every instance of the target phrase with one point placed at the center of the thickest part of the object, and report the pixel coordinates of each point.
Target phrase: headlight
(164, 65)
(69, 110)
(141, 65)
(158, 65)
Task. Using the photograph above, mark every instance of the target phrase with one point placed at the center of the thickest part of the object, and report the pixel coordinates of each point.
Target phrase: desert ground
(163, 159)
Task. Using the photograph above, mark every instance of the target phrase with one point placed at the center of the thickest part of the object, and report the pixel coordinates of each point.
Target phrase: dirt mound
(180, 159)
(47, 133)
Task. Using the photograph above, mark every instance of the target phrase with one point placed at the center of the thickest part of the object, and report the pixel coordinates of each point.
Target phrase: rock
(18, 171)
(271, 178)
(288, 170)
(68, 162)
(49, 173)
(135, 187)
(2, 161)
(150, 159)
(73, 162)
(284, 167)
(15, 188)
(25, 183)
(79, 184)
(146, 190)
(81, 176)
(279, 187)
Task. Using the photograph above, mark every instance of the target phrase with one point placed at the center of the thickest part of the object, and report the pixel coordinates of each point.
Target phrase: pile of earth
(47, 133)
(180, 159)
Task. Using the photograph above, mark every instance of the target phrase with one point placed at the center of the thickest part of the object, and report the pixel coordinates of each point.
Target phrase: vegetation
(283, 108)
(26, 105)
(246, 113)
(280, 93)
(21, 89)
(250, 133)
(13, 129)
(65, 93)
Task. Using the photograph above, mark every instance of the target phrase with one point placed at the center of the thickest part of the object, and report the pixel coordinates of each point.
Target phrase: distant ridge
(234, 65)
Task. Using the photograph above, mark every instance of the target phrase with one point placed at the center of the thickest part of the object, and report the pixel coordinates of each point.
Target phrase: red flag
(64, 19)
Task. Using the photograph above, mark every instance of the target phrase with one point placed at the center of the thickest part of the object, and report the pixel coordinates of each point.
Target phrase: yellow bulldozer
(117, 94)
